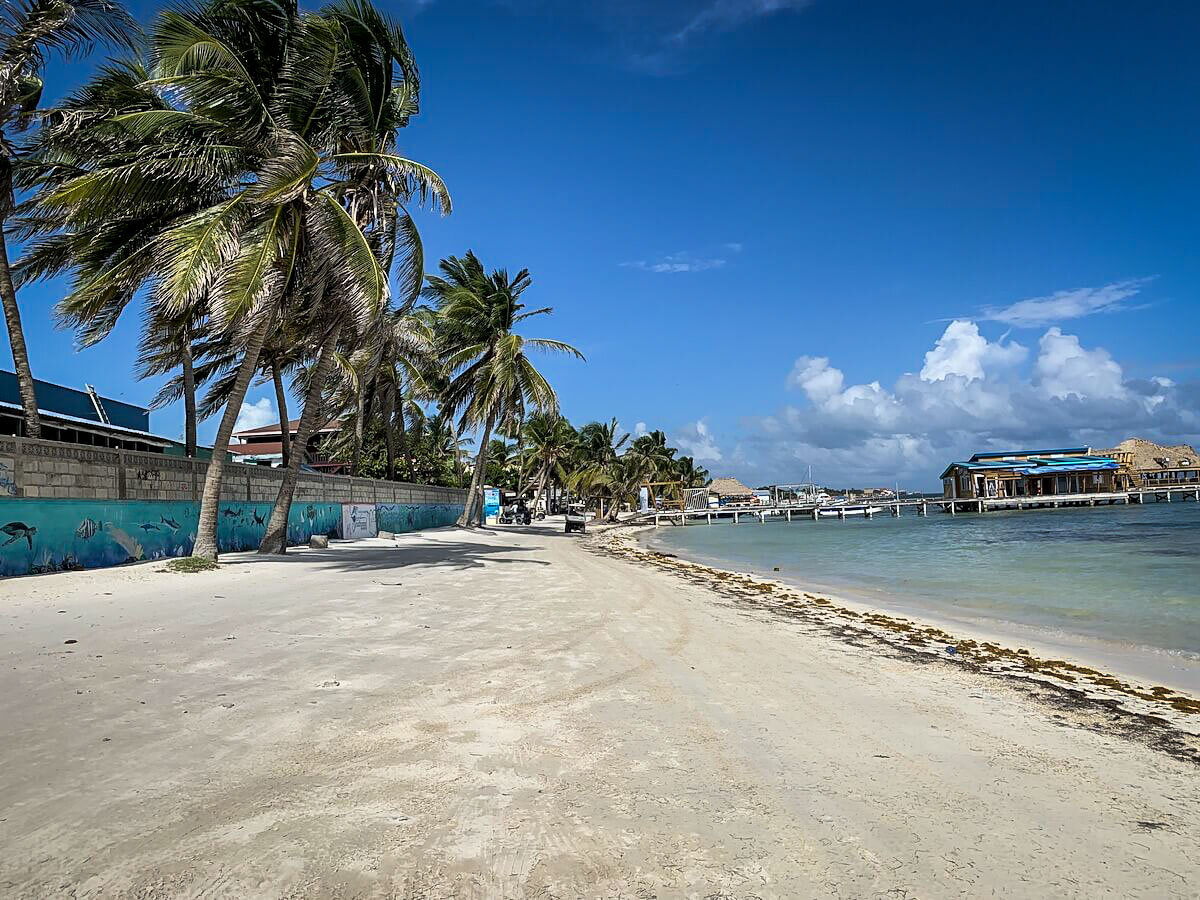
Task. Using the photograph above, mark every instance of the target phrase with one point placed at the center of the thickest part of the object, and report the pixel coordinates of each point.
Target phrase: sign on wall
(359, 521)
(491, 505)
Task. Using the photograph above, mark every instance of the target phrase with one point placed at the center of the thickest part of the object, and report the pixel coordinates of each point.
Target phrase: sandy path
(506, 715)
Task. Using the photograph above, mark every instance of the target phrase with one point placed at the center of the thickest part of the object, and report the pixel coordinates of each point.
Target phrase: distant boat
(838, 511)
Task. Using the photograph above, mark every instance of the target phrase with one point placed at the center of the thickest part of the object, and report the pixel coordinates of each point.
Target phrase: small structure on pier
(1148, 465)
(729, 491)
(1032, 474)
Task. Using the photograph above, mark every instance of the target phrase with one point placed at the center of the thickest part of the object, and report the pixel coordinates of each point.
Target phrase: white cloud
(1063, 305)
(1064, 369)
(695, 440)
(674, 263)
(962, 350)
(639, 429)
(255, 415)
(971, 394)
(720, 15)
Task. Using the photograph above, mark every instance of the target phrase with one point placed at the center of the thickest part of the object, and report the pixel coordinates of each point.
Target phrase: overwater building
(1031, 473)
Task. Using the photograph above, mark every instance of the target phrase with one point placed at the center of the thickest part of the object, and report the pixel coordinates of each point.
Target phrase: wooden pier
(920, 507)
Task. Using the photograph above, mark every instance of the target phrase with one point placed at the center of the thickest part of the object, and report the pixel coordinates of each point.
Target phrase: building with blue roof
(1033, 474)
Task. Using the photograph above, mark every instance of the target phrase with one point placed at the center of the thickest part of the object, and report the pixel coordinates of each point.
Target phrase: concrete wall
(65, 506)
(48, 469)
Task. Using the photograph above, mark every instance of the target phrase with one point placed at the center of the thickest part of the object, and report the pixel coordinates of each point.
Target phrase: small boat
(838, 512)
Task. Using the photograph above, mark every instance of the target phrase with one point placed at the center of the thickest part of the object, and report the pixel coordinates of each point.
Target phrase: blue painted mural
(38, 536)
(403, 517)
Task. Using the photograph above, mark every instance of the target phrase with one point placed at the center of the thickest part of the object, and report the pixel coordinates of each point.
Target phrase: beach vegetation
(31, 31)
(237, 175)
(492, 380)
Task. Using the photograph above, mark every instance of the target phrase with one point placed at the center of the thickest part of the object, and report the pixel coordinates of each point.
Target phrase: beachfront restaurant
(1031, 476)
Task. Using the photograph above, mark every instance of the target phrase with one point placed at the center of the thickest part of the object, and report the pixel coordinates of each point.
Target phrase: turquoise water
(1110, 582)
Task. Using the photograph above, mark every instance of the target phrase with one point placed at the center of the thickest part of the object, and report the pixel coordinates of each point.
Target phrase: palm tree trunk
(189, 401)
(541, 487)
(210, 500)
(474, 494)
(359, 417)
(389, 439)
(405, 450)
(16, 339)
(285, 431)
(275, 539)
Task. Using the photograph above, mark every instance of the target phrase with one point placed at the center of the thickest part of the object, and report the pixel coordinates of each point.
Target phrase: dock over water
(920, 507)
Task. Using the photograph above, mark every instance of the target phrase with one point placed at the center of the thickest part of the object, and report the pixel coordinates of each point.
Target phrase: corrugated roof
(999, 454)
(1037, 465)
(293, 426)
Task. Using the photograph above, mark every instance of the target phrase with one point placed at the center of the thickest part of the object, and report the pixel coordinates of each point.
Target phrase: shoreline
(1176, 669)
(1171, 716)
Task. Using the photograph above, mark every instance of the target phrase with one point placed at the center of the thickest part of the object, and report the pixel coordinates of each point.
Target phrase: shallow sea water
(1115, 583)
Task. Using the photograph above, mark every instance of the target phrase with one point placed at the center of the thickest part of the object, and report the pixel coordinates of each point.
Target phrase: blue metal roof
(1078, 451)
(1038, 465)
(65, 401)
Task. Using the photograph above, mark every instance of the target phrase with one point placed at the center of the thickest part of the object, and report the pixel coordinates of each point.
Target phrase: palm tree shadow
(348, 557)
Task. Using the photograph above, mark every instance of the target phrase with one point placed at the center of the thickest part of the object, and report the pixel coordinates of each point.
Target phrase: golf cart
(576, 519)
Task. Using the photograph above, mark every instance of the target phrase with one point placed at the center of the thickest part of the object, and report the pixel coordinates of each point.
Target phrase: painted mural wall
(399, 518)
(45, 535)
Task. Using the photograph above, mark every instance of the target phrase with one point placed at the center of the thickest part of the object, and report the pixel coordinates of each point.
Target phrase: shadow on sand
(461, 555)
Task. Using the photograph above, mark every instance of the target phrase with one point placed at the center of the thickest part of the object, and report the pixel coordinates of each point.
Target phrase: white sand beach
(508, 714)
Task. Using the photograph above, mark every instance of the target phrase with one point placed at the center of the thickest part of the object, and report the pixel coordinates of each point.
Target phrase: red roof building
(264, 446)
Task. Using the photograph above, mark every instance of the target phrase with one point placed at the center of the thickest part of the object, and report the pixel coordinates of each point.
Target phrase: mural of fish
(311, 512)
(128, 544)
(16, 531)
(231, 513)
(149, 527)
(259, 520)
(88, 529)
(170, 523)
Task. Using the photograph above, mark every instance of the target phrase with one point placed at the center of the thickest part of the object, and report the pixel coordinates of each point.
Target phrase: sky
(863, 237)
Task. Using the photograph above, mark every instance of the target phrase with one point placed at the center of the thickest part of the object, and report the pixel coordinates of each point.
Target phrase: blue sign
(491, 503)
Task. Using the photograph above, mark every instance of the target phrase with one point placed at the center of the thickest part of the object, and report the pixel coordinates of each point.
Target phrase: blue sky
(863, 236)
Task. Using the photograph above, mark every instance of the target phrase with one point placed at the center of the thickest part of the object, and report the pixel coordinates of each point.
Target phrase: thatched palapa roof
(729, 487)
(1149, 455)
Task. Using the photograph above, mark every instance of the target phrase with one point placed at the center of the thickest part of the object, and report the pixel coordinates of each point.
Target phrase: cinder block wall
(48, 469)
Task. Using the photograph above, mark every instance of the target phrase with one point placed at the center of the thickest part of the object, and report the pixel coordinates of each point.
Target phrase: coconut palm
(493, 379)
(653, 448)
(373, 185)
(268, 109)
(688, 474)
(601, 442)
(30, 30)
(165, 347)
(551, 441)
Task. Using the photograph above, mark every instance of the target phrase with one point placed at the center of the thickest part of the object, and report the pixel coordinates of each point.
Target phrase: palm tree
(493, 379)
(653, 448)
(268, 101)
(371, 184)
(689, 474)
(165, 347)
(601, 442)
(29, 30)
(551, 441)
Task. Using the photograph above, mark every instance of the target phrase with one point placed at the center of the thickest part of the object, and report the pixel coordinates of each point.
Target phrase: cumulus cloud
(1064, 305)
(695, 440)
(962, 350)
(255, 415)
(674, 263)
(1065, 369)
(970, 394)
